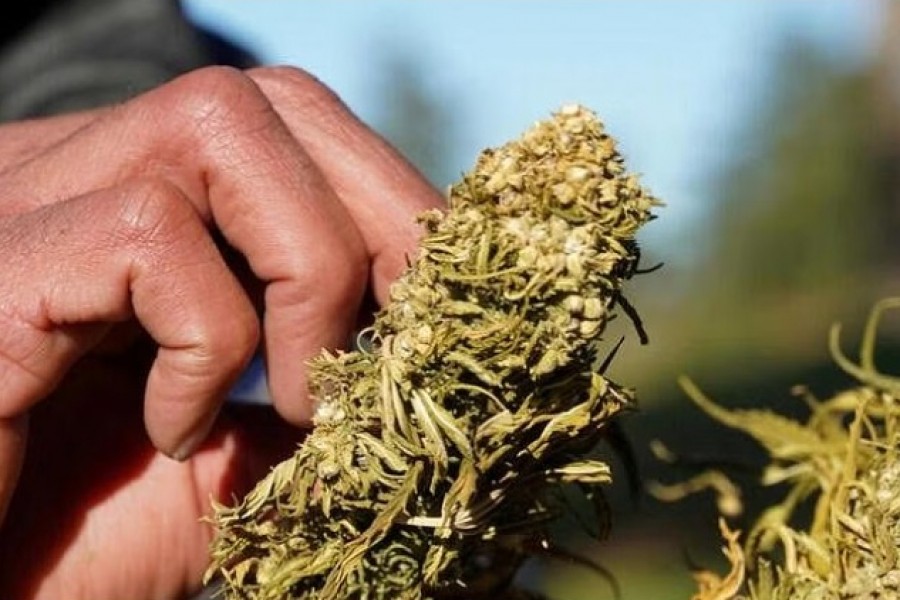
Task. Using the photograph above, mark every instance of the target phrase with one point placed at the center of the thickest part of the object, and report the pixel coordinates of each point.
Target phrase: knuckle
(26, 374)
(300, 87)
(246, 334)
(214, 99)
(356, 280)
(152, 210)
(230, 347)
(346, 273)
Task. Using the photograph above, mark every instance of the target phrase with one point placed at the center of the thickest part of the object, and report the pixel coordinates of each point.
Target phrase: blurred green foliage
(800, 235)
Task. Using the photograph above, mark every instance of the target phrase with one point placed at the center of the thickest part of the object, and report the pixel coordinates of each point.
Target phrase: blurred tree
(887, 97)
(804, 207)
(802, 233)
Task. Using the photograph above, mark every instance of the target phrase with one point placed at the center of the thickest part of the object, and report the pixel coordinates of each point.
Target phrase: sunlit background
(771, 130)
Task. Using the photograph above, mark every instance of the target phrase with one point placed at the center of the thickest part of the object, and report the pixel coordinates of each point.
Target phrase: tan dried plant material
(845, 461)
(440, 446)
(712, 586)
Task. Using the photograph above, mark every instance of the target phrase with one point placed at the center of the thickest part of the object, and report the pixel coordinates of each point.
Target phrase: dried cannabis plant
(440, 446)
(845, 460)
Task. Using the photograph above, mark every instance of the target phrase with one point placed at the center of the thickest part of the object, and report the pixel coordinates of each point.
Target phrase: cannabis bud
(439, 443)
(843, 462)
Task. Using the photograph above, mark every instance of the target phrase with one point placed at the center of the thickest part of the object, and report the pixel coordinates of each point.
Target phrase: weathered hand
(166, 216)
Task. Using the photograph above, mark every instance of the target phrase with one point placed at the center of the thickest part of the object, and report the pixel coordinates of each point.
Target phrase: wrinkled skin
(149, 250)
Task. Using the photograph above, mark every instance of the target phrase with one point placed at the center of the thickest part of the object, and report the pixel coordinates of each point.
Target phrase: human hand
(109, 222)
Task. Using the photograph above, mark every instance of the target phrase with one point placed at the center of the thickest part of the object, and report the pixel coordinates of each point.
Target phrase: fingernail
(194, 439)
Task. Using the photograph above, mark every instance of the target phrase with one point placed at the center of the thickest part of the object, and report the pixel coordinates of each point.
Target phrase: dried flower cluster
(440, 444)
(845, 460)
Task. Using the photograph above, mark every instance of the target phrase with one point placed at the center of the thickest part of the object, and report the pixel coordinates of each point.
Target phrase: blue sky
(672, 79)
